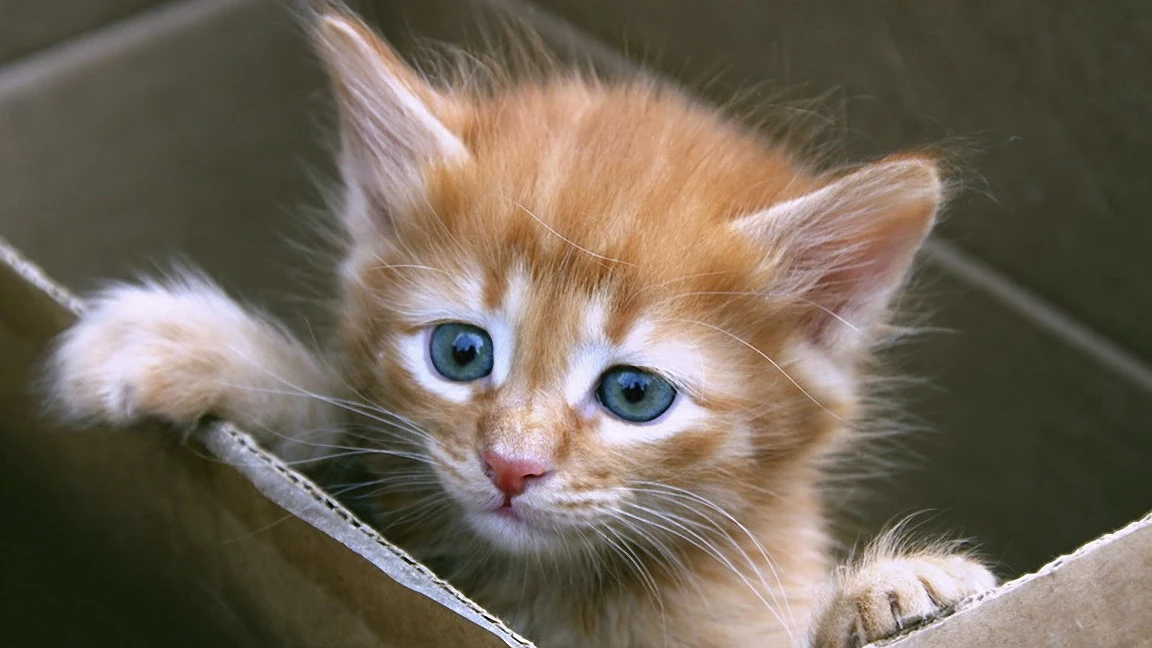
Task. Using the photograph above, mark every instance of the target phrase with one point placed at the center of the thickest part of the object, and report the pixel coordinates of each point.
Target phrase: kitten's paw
(881, 598)
(146, 351)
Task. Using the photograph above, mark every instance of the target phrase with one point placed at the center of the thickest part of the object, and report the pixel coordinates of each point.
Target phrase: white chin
(514, 535)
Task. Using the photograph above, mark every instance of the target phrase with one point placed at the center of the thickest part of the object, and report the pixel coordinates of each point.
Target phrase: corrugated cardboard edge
(304, 499)
(296, 493)
(977, 604)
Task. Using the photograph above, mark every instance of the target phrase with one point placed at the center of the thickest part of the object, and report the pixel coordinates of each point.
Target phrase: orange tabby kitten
(602, 340)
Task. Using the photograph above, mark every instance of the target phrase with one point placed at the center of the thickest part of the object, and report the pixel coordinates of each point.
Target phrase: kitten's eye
(635, 395)
(461, 352)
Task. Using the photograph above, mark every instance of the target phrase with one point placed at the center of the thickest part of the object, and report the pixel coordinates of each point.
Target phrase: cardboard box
(221, 519)
(118, 149)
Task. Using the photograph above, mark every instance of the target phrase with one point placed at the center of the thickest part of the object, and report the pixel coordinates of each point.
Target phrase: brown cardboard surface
(155, 135)
(252, 549)
(1097, 596)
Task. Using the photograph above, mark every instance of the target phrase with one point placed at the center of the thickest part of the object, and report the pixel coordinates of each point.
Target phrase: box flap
(232, 525)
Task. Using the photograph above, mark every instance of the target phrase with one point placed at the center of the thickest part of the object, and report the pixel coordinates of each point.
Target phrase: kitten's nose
(511, 475)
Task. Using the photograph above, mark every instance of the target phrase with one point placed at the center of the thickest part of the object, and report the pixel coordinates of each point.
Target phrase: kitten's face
(612, 317)
(573, 298)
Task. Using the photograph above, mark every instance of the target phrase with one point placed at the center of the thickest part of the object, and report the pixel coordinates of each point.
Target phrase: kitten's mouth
(511, 525)
(517, 526)
(507, 511)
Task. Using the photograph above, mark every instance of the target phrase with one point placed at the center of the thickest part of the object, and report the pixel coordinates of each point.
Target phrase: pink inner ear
(389, 130)
(859, 281)
(848, 246)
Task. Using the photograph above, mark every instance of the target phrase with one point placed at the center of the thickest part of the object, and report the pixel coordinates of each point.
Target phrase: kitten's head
(604, 308)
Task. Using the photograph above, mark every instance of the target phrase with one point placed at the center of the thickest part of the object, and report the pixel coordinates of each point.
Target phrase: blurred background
(135, 130)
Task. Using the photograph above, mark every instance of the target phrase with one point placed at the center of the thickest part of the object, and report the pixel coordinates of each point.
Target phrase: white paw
(884, 597)
(145, 351)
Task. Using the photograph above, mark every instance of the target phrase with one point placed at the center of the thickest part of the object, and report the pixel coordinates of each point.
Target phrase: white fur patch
(503, 344)
(459, 300)
(502, 325)
(826, 378)
(589, 358)
(585, 366)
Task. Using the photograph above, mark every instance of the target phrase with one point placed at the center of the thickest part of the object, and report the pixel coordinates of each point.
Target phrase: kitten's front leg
(884, 595)
(183, 349)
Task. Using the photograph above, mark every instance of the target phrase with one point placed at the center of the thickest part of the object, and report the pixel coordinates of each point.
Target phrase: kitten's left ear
(390, 120)
(845, 249)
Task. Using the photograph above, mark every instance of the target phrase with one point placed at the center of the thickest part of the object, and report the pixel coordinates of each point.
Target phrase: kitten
(596, 342)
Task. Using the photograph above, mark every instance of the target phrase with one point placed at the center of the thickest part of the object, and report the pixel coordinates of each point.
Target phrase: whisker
(257, 531)
(751, 293)
(408, 266)
(372, 412)
(383, 485)
(669, 491)
(673, 563)
(558, 234)
(707, 547)
(422, 509)
(622, 549)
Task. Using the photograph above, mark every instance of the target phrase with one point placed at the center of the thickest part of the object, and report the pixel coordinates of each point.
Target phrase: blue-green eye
(635, 395)
(461, 352)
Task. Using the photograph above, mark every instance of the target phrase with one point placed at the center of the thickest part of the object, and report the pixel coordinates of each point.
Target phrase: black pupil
(633, 387)
(466, 347)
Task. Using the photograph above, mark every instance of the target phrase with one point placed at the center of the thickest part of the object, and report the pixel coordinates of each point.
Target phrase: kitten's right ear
(389, 126)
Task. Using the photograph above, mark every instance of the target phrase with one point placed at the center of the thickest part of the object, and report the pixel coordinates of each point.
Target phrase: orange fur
(586, 225)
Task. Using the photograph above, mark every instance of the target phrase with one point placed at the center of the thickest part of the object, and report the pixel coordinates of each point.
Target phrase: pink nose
(511, 475)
